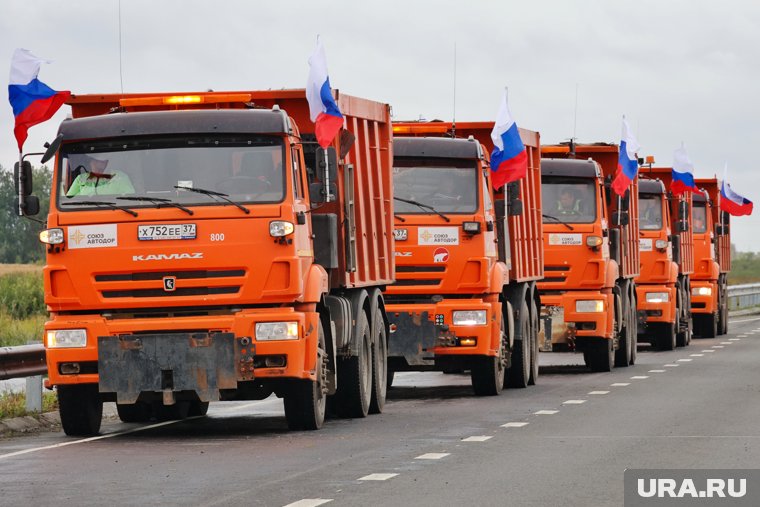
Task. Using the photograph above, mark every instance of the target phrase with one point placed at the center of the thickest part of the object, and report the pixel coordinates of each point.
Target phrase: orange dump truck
(712, 261)
(667, 260)
(591, 255)
(202, 247)
(467, 257)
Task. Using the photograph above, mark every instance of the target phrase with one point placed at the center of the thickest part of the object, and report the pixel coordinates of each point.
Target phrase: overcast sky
(680, 70)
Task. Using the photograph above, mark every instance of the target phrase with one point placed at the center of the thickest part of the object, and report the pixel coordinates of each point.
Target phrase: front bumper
(657, 312)
(567, 324)
(704, 304)
(230, 336)
(422, 332)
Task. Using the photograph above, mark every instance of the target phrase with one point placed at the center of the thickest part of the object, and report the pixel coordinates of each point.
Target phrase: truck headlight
(657, 297)
(701, 291)
(280, 228)
(469, 317)
(277, 331)
(592, 306)
(51, 236)
(661, 244)
(66, 338)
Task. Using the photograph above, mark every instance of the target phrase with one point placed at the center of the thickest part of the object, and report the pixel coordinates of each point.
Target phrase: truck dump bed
(363, 202)
(606, 155)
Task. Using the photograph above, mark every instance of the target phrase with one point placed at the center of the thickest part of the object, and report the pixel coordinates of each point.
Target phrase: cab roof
(439, 147)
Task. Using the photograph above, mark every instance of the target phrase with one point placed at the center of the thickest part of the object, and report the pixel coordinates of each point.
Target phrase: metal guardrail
(22, 361)
(29, 360)
(741, 297)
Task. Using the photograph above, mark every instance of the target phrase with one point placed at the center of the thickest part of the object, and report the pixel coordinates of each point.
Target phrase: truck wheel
(534, 350)
(306, 400)
(355, 376)
(682, 337)
(634, 330)
(707, 326)
(389, 378)
(623, 352)
(518, 374)
(666, 336)
(379, 366)
(600, 356)
(723, 320)
(177, 412)
(134, 412)
(81, 409)
(198, 408)
(487, 372)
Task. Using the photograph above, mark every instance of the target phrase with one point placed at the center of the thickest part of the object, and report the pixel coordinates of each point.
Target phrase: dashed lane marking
(656, 371)
(726, 343)
(685, 360)
(717, 346)
(514, 425)
(546, 412)
(599, 392)
(639, 377)
(377, 477)
(671, 364)
(696, 355)
(309, 502)
(734, 339)
(573, 402)
(433, 455)
(708, 350)
(620, 384)
(477, 438)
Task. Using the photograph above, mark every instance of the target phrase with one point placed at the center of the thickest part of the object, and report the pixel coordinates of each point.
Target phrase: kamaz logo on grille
(167, 257)
(170, 283)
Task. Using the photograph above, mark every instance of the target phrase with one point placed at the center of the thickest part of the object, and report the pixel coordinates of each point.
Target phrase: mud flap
(200, 362)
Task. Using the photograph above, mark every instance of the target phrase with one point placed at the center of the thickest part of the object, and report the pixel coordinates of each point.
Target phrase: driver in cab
(95, 179)
(567, 203)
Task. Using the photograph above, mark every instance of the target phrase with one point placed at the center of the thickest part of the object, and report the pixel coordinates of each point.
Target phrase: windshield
(568, 200)
(247, 168)
(699, 217)
(447, 185)
(650, 212)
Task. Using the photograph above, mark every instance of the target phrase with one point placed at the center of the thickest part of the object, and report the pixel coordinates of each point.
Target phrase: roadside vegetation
(14, 404)
(22, 307)
(745, 268)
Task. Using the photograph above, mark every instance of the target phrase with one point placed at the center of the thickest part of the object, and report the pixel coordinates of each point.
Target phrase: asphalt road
(567, 441)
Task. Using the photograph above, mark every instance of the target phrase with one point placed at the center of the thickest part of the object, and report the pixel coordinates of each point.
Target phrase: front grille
(420, 269)
(699, 305)
(411, 281)
(554, 279)
(159, 275)
(152, 293)
(422, 299)
(556, 268)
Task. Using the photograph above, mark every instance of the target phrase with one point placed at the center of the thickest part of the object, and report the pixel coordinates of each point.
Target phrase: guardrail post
(34, 394)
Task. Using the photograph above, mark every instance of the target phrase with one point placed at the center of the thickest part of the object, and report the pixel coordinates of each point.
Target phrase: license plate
(172, 231)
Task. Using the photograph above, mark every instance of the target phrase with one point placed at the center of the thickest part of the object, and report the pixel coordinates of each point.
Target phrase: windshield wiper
(100, 203)
(560, 221)
(399, 217)
(159, 202)
(424, 206)
(211, 193)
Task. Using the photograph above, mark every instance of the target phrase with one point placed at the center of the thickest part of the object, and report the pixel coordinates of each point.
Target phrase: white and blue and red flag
(323, 109)
(509, 160)
(731, 202)
(32, 100)
(628, 161)
(683, 173)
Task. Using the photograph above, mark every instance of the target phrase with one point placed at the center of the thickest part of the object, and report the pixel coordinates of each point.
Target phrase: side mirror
(620, 218)
(683, 210)
(52, 148)
(23, 177)
(30, 207)
(326, 162)
(625, 202)
(513, 197)
(675, 240)
(682, 226)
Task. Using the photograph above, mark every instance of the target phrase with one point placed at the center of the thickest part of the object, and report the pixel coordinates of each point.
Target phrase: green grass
(14, 404)
(20, 332)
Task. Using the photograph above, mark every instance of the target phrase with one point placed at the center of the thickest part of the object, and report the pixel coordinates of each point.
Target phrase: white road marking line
(514, 425)
(670, 364)
(92, 439)
(717, 346)
(742, 336)
(726, 343)
(546, 412)
(656, 371)
(433, 455)
(573, 402)
(734, 339)
(477, 438)
(599, 392)
(708, 350)
(639, 377)
(696, 355)
(685, 360)
(377, 477)
(620, 384)
(744, 320)
(310, 502)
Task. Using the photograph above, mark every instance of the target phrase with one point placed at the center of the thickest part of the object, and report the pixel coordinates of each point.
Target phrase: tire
(666, 336)
(534, 352)
(81, 409)
(707, 326)
(134, 413)
(683, 338)
(389, 378)
(623, 352)
(177, 412)
(634, 330)
(306, 400)
(487, 372)
(379, 365)
(600, 356)
(198, 408)
(355, 376)
(518, 374)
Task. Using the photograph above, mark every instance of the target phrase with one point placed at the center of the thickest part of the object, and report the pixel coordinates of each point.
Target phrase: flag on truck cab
(683, 173)
(731, 202)
(628, 162)
(32, 100)
(509, 160)
(322, 107)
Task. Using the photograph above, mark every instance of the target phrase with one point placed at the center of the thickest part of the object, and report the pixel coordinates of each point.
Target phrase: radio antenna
(575, 115)
(454, 115)
(121, 74)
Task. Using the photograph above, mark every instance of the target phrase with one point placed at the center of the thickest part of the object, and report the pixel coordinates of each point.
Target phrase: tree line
(19, 243)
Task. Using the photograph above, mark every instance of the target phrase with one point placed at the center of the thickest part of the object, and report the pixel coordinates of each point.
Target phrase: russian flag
(322, 107)
(683, 173)
(628, 162)
(731, 202)
(509, 160)
(32, 100)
